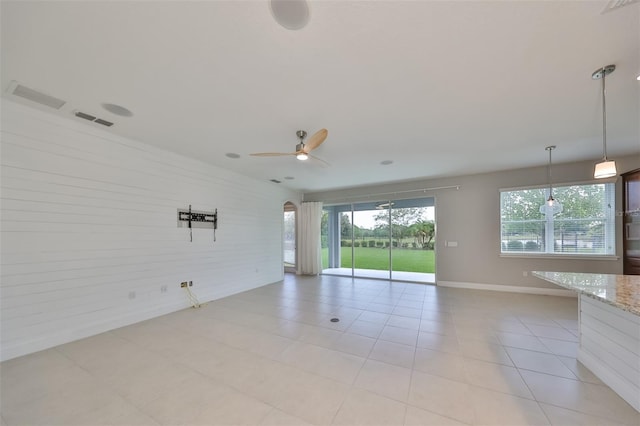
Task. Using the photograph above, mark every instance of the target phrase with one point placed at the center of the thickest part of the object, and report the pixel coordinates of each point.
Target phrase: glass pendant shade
(551, 206)
(604, 169)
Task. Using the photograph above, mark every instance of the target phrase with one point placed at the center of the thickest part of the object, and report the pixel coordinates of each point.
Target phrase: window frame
(610, 224)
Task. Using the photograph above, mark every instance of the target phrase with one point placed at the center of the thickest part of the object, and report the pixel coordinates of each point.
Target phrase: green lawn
(377, 258)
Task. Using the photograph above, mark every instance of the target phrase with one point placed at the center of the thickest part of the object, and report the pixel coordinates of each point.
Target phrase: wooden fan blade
(315, 140)
(271, 154)
(319, 160)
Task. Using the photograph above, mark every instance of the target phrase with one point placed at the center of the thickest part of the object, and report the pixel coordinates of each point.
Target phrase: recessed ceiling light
(117, 110)
(289, 177)
(291, 14)
(638, 77)
(232, 155)
(386, 162)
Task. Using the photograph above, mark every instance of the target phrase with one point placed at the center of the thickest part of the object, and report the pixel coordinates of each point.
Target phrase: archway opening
(289, 237)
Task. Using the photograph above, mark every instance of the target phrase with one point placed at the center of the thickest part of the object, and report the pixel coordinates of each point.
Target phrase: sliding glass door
(412, 245)
(371, 242)
(386, 240)
(346, 242)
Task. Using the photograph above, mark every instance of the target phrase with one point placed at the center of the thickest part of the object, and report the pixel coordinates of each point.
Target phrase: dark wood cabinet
(631, 222)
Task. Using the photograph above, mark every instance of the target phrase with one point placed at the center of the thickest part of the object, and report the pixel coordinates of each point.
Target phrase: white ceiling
(440, 88)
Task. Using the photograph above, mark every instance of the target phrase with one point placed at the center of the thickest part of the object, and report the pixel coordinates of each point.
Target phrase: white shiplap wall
(610, 347)
(89, 217)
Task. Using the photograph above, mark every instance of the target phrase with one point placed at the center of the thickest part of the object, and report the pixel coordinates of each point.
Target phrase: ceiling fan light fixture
(302, 149)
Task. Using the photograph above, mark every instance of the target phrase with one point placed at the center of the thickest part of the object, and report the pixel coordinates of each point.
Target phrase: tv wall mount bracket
(198, 219)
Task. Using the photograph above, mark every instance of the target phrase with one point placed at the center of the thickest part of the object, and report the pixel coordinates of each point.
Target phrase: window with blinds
(582, 224)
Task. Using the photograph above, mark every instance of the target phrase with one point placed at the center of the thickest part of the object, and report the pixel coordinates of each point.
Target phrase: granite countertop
(621, 291)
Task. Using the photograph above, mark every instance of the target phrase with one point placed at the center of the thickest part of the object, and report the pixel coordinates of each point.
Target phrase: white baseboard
(37, 344)
(508, 288)
(9, 350)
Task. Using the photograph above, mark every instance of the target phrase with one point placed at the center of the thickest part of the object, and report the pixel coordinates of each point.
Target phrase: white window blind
(585, 225)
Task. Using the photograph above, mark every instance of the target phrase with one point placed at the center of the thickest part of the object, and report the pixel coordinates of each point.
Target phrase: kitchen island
(609, 320)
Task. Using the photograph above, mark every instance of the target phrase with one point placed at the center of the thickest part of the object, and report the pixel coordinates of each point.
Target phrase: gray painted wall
(471, 216)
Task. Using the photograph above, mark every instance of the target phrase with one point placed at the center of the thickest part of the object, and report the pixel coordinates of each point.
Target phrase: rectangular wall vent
(35, 96)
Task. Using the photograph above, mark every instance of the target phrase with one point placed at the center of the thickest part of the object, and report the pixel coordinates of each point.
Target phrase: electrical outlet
(132, 295)
(163, 289)
(525, 273)
(184, 284)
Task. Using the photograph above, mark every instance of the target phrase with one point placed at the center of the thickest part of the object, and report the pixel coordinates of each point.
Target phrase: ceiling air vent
(85, 116)
(90, 117)
(617, 4)
(103, 122)
(24, 92)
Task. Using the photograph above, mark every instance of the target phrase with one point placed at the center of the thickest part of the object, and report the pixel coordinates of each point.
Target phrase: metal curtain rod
(456, 187)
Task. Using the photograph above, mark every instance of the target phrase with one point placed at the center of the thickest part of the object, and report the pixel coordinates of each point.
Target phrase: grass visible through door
(407, 260)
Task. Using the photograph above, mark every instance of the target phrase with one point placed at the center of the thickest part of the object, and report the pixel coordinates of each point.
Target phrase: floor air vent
(24, 92)
(90, 117)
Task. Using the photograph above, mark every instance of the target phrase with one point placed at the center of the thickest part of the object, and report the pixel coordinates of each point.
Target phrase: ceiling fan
(303, 149)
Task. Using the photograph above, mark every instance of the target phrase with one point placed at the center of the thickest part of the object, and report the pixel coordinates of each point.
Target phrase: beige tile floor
(401, 353)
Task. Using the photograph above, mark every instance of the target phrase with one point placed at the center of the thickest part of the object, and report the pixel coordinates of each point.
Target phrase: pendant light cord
(604, 118)
(550, 148)
(549, 175)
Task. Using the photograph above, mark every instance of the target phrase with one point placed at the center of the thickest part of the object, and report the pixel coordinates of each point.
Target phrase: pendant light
(552, 205)
(605, 168)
